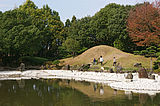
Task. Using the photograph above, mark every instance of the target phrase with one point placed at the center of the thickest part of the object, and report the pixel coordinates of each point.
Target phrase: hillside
(107, 52)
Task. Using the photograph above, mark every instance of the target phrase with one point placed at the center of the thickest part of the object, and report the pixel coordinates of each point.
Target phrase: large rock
(21, 67)
(142, 73)
(67, 67)
(111, 70)
(137, 65)
(151, 77)
(129, 76)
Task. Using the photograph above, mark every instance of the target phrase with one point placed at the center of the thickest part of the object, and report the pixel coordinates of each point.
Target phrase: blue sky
(68, 8)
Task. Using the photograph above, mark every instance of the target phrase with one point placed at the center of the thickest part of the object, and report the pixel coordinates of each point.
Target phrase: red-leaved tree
(144, 24)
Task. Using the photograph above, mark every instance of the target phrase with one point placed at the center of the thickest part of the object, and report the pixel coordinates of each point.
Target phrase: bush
(155, 65)
(56, 62)
(157, 71)
(29, 60)
(158, 54)
(136, 52)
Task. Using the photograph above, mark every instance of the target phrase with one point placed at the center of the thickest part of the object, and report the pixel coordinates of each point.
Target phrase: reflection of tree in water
(115, 92)
(129, 94)
(24, 92)
(101, 90)
(143, 98)
(38, 93)
(95, 87)
(50, 93)
(21, 83)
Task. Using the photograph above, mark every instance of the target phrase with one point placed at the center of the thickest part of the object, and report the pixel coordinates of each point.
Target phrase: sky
(68, 8)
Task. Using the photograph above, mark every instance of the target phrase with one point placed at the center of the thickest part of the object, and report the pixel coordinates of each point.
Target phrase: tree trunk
(151, 66)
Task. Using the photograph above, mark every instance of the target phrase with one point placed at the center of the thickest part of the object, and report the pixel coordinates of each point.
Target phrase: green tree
(72, 45)
(105, 27)
(110, 24)
(74, 19)
(149, 52)
(119, 44)
(67, 23)
(29, 31)
(50, 25)
(20, 36)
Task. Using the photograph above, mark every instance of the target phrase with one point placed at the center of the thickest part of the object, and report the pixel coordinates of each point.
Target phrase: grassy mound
(126, 60)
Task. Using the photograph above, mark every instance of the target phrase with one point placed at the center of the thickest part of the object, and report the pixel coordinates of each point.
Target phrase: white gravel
(115, 81)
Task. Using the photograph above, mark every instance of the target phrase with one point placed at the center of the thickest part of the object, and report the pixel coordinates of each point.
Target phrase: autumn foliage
(144, 24)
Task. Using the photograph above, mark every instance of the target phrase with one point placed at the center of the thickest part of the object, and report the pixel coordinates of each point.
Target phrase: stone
(67, 67)
(111, 70)
(137, 65)
(151, 77)
(129, 76)
(142, 73)
(21, 67)
(134, 71)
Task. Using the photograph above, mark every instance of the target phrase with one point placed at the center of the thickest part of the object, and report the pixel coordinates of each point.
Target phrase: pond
(58, 92)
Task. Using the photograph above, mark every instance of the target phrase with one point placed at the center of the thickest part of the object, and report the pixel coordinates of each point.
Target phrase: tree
(119, 45)
(110, 25)
(144, 24)
(67, 23)
(29, 31)
(19, 36)
(104, 28)
(50, 26)
(72, 45)
(149, 52)
(74, 19)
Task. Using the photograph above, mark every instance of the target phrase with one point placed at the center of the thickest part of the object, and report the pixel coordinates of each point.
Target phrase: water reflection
(101, 91)
(143, 98)
(58, 92)
(115, 92)
(129, 94)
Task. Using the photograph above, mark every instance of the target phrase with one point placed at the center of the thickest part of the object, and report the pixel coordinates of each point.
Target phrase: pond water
(57, 92)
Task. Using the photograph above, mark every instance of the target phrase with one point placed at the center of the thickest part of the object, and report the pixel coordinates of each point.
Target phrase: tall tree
(28, 31)
(50, 26)
(67, 23)
(72, 45)
(144, 24)
(74, 19)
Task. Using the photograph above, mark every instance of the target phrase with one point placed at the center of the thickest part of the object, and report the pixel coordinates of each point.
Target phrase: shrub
(157, 71)
(29, 60)
(136, 52)
(56, 62)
